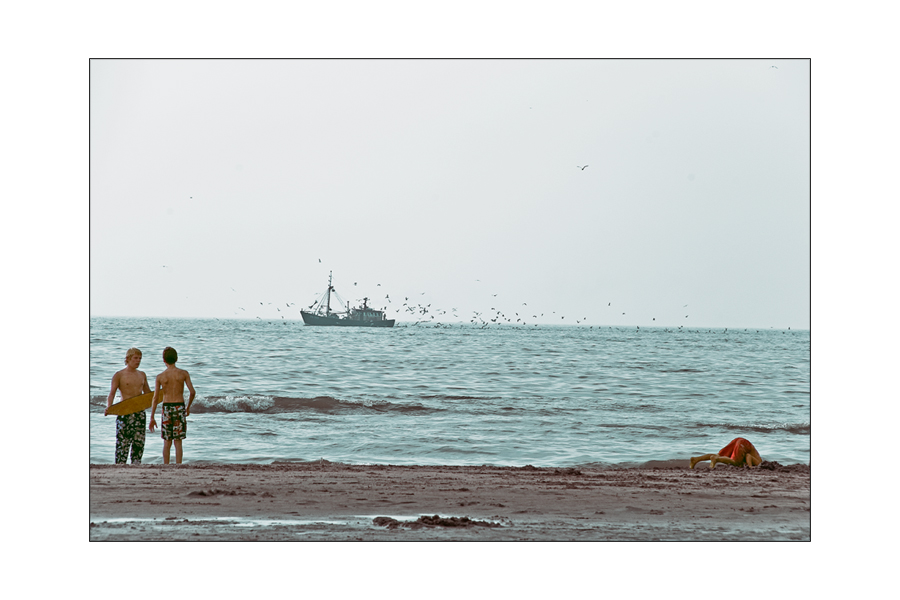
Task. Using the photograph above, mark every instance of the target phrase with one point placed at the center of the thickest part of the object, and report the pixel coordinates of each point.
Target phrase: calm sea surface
(545, 396)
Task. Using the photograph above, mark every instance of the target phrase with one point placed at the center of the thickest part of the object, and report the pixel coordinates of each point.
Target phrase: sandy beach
(324, 501)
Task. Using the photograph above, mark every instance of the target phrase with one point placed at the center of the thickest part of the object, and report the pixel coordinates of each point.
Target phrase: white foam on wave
(235, 403)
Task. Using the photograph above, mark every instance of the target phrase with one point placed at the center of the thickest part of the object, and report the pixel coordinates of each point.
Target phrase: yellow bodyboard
(133, 405)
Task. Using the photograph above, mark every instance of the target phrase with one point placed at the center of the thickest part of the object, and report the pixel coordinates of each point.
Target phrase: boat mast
(328, 305)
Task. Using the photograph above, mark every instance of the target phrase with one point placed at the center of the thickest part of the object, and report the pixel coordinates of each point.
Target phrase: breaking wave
(263, 404)
(283, 404)
(796, 428)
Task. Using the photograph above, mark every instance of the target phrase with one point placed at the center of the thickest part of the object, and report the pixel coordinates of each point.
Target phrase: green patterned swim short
(174, 421)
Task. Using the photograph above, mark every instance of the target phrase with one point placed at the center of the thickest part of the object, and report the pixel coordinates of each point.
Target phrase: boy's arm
(146, 389)
(187, 380)
(112, 393)
(156, 395)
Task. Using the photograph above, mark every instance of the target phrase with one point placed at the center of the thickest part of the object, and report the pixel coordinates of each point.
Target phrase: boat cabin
(364, 313)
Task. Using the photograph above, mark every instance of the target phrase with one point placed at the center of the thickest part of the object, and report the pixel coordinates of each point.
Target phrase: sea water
(464, 394)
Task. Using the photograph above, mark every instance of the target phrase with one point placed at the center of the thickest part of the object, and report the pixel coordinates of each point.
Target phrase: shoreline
(324, 501)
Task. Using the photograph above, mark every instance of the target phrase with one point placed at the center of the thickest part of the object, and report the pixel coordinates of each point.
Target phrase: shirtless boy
(739, 453)
(170, 387)
(130, 429)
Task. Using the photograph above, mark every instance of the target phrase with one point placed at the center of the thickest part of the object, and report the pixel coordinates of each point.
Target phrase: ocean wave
(451, 397)
(233, 404)
(630, 407)
(796, 428)
(264, 404)
(286, 404)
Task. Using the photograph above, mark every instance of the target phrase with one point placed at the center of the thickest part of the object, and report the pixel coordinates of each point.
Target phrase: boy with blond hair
(131, 430)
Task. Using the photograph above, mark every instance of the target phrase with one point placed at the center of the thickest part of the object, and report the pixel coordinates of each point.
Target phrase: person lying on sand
(739, 452)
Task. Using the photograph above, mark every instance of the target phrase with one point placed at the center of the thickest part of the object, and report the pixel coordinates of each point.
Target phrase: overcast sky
(221, 185)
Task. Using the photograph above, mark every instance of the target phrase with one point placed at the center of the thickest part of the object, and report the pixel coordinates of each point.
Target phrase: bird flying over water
(582, 168)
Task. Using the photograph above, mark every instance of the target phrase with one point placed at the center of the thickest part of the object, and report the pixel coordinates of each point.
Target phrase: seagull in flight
(582, 168)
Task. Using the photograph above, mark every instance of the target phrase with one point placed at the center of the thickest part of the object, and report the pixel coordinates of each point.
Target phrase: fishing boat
(320, 312)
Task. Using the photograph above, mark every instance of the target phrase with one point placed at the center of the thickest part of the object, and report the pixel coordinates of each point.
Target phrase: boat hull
(318, 320)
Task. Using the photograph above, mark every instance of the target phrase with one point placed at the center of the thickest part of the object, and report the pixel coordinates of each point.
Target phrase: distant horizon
(425, 324)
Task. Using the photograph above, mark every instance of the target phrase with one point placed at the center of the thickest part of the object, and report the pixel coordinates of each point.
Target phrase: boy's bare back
(171, 383)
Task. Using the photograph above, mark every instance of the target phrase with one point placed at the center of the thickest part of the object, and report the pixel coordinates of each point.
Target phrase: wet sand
(323, 501)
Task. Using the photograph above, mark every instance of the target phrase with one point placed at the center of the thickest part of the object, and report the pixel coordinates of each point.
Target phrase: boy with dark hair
(170, 388)
(131, 430)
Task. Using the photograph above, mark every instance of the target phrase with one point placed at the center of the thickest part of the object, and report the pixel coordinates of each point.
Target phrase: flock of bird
(425, 314)
(413, 313)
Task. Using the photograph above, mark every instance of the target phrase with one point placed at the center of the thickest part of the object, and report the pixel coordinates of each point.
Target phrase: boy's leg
(122, 441)
(178, 452)
(697, 459)
(167, 446)
(137, 447)
(137, 436)
(722, 459)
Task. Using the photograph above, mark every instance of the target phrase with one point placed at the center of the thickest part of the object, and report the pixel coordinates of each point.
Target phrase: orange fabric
(737, 449)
